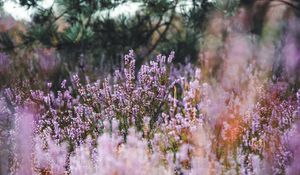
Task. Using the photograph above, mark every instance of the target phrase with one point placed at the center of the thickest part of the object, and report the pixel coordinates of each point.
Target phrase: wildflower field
(233, 109)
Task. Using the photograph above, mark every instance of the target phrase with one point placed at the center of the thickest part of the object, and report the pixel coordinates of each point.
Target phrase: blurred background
(47, 40)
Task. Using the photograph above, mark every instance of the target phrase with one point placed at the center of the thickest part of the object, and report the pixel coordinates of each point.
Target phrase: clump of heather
(266, 135)
(80, 110)
(159, 103)
(293, 143)
(160, 119)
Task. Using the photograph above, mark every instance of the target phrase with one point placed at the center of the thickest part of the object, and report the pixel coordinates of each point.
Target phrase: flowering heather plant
(161, 119)
(81, 110)
(293, 142)
(273, 117)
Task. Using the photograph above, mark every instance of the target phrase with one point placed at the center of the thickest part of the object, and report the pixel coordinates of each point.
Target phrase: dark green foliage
(91, 29)
(7, 43)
